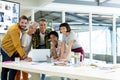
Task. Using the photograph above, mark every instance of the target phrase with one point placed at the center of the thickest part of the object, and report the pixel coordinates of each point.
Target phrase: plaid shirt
(36, 39)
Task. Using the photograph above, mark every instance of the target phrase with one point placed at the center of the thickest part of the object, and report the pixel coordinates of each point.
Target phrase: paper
(61, 63)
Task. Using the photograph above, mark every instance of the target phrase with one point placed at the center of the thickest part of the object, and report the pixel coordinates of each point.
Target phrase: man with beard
(11, 46)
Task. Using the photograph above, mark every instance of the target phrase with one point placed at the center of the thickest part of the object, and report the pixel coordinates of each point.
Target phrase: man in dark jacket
(40, 40)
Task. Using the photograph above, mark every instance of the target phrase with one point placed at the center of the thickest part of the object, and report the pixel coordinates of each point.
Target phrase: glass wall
(53, 18)
(101, 36)
(118, 37)
(101, 44)
(118, 34)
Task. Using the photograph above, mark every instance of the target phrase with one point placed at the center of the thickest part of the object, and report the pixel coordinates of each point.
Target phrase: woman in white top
(71, 40)
(27, 37)
(26, 43)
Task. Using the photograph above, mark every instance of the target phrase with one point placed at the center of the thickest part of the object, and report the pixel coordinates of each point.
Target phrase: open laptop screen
(39, 55)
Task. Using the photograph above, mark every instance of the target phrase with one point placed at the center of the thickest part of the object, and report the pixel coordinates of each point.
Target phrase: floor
(51, 78)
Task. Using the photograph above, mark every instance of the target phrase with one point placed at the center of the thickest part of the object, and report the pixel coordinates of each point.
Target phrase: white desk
(82, 73)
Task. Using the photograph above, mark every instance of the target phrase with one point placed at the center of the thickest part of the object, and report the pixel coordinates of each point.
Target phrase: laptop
(39, 55)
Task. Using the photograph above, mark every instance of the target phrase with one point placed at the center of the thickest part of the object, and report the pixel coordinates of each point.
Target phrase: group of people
(17, 42)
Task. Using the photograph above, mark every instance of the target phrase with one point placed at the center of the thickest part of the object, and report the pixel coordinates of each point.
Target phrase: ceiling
(71, 17)
(30, 4)
(108, 3)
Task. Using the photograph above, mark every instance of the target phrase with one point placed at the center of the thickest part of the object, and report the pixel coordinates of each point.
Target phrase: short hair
(44, 20)
(23, 17)
(31, 23)
(65, 25)
(53, 33)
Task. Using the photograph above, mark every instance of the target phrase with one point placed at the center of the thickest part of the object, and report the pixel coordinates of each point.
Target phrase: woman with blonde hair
(26, 44)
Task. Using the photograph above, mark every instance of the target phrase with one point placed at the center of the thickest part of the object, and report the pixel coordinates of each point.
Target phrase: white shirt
(26, 43)
(21, 35)
(72, 36)
(42, 37)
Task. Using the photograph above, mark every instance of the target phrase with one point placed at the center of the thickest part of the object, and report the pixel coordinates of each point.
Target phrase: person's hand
(57, 59)
(62, 59)
(28, 59)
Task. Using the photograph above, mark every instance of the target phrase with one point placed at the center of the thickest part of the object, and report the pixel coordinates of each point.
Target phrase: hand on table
(62, 59)
(28, 59)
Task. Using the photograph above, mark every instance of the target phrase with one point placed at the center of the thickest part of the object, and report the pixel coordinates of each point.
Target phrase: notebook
(39, 55)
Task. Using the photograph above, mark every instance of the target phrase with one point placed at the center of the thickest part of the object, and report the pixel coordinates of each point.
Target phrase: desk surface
(82, 72)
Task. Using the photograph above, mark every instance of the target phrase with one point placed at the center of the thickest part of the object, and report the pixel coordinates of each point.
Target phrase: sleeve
(63, 37)
(72, 36)
(15, 35)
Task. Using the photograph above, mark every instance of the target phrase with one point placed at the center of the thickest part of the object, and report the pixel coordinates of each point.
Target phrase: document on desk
(61, 63)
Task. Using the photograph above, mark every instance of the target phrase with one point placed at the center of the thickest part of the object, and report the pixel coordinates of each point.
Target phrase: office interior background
(96, 23)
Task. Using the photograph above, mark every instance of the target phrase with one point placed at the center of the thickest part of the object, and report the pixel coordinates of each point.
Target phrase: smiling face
(43, 26)
(53, 38)
(32, 28)
(22, 24)
(63, 30)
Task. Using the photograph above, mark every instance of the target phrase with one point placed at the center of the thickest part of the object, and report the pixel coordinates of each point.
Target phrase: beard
(22, 28)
